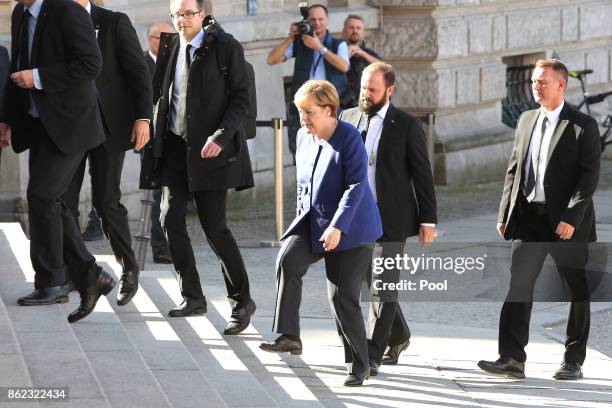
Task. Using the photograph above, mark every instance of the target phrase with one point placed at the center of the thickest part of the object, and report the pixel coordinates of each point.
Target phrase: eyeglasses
(187, 15)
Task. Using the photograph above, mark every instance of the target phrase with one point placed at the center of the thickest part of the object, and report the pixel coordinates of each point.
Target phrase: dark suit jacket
(336, 192)
(571, 176)
(150, 63)
(404, 182)
(5, 67)
(216, 106)
(68, 59)
(124, 85)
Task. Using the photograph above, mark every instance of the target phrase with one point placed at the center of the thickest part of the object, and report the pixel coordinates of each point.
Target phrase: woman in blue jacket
(337, 219)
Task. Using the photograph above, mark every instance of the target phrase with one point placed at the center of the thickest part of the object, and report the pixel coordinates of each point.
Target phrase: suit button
(188, 116)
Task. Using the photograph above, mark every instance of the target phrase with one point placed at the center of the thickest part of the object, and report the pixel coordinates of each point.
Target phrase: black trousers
(536, 240)
(344, 271)
(158, 239)
(211, 206)
(386, 323)
(56, 246)
(105, 169)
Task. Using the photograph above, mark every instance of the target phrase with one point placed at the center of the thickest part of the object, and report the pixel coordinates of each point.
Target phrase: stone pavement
(134, 356)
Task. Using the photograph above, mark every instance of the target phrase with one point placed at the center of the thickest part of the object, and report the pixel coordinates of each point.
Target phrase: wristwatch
(323, 51)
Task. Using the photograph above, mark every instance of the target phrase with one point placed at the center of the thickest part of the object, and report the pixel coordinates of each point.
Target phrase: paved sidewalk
(134, 356)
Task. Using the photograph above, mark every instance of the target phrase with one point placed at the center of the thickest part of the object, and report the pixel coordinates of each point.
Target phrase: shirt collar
(383, 111)
(153, 56)
(553, 116)
(34, 9)
(196, 41)
(88, 7)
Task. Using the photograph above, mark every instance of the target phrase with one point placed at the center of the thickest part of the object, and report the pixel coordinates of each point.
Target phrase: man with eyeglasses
(199, 148)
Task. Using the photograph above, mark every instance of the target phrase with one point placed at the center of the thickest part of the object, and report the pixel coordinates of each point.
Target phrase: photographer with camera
(317, 55)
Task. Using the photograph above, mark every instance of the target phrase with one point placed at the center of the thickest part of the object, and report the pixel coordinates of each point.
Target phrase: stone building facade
(451, 57)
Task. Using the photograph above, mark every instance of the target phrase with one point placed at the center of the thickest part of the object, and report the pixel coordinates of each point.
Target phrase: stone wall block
(480, 34)
(468, 85)
(533, 28)
(595, 21)
(500, 32)
(405, 38)
(447, 88)
(569, 24)
(493, 82)
(598, 61)
(416, 90)
(452, 37)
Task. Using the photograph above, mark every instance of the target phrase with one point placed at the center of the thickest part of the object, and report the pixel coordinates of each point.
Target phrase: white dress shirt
(371, 146)
(195, 43)
(553, 119)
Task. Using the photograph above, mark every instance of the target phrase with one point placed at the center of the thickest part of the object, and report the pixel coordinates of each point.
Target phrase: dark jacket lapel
(387, 130)
(40, 26)
(561, 125)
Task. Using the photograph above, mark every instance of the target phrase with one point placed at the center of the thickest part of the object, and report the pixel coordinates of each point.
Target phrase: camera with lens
(304, 26)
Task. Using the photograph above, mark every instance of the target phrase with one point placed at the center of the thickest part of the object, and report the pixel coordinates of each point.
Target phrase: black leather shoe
(506, 366)
(391, 357)
(189, 307)
(93, 231)
(356, 380)
(283, 344)
(44, 296)
(69, 286)
(162, 257)
(89, 297)
(240, 319)
(373, 368)
(568, 371)
(128, 286)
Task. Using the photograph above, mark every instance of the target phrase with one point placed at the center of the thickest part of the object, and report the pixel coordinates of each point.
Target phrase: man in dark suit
(124, 89)
(547, 208)
(159, 245)
(397, 162)
(5, 64)
(199, 148)
(52, 110)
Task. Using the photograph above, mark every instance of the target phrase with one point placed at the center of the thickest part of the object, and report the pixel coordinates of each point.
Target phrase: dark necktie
(188, 55)
(24, 49)
(364, 132)
(535, 160)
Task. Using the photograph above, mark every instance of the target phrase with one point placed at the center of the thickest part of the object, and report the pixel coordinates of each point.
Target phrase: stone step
(167, 358)
(215, 354)
(51, 352)
(120, 367)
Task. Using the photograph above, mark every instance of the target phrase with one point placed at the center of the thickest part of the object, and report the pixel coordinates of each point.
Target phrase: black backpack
(249, 124)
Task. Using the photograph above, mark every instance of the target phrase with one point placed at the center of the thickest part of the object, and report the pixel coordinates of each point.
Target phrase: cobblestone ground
(251, 219)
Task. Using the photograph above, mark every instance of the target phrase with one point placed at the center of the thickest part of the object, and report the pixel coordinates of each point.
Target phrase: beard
(371, 107)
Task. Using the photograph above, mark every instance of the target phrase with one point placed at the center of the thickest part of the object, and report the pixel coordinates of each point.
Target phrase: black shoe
(283, 344)
(391, 357)
(356, 380)
(45, 296)
(128, 286)
(568, 371)
(93, 231)
(189, 307)
(162, 256)
(69, 286)
(506, 366)
(240, 319)
(373, 368)
(89, 297)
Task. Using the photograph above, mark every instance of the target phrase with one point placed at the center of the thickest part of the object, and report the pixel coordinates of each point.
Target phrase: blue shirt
(317, 68)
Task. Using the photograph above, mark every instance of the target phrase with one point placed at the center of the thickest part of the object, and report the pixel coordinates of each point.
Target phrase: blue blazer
(332, 189)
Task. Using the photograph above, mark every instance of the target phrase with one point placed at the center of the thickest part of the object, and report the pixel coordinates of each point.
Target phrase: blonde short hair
(323, 93)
